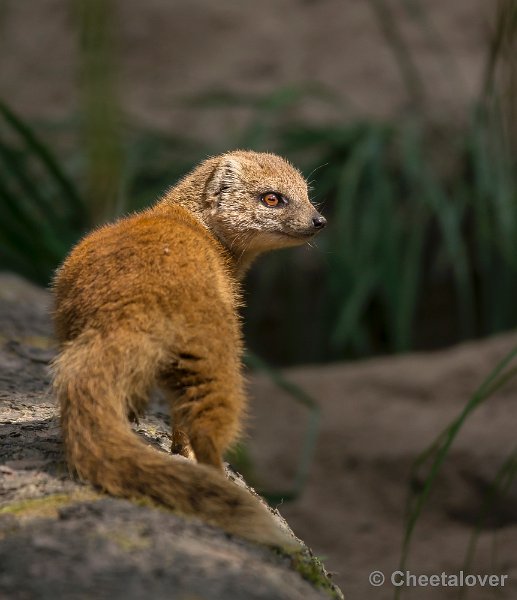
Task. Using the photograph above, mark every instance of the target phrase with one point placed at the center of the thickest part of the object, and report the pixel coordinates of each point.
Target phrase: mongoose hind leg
(206, 451)
(206, 410)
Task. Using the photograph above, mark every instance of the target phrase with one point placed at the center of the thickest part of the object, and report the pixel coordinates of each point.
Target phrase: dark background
(401, 114)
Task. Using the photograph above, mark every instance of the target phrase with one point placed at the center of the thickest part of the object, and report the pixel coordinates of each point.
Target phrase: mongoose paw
(180, 443)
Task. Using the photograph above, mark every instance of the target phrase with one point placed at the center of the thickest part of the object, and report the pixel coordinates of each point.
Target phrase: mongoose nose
(319, 222)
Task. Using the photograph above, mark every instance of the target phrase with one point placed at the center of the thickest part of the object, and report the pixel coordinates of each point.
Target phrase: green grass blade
(40, 151)
(503, 479)
(496, 379)
(28, 185)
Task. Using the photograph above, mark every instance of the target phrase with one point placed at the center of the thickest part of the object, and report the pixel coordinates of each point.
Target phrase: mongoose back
(152, 301)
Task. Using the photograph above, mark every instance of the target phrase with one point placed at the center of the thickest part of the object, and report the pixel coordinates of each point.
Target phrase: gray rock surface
(62, 539)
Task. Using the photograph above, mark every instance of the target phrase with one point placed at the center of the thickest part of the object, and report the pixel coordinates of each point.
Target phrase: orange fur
(152, 300)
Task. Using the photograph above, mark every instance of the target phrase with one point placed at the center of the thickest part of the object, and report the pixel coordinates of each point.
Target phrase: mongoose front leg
(180, 443)
(136, 405)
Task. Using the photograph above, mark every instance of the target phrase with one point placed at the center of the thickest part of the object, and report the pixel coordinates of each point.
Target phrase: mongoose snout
(319, 221)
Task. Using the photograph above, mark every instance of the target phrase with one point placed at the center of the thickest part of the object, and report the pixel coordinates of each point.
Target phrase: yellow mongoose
(152, 300)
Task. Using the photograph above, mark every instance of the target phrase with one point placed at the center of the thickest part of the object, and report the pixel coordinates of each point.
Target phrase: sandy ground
(378, 415)
(170, 51)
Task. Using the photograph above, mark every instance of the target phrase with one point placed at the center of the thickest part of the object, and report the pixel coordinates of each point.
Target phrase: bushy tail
(94, 378)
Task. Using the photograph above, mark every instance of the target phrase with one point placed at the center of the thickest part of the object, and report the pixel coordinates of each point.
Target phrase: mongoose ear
(225, 178)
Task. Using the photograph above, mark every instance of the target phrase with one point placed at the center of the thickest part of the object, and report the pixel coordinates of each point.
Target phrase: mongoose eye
(272, 199)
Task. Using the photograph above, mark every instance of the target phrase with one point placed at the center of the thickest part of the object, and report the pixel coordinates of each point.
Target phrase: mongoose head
(256, 201)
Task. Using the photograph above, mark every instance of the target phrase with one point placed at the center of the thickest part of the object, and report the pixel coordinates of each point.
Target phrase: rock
(62, 539)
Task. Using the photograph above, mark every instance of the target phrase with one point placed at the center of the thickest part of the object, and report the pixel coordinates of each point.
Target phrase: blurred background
(401, 113)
